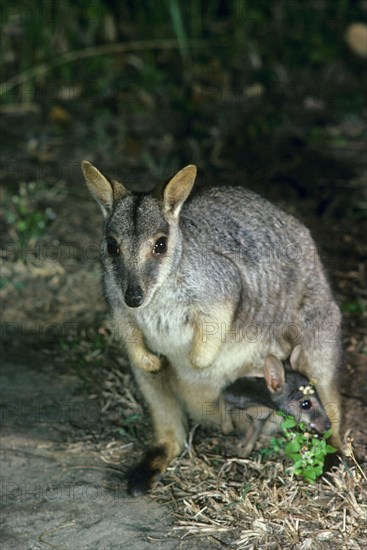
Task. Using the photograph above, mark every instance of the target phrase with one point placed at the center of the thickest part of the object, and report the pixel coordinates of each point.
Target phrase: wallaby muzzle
(320, 423)
(134, 296)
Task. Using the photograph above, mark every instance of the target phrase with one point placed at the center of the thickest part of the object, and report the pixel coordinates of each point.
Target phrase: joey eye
(160, 246)
(113, 248)
(306, 404)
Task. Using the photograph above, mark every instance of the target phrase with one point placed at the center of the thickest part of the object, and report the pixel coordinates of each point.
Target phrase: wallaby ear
(178, 189)
(274, 373)
(295, 356)
(106, 193)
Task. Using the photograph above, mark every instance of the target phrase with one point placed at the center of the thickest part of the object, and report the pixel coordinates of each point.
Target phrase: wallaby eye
(160, 246)
(112, 246)
(306, 404)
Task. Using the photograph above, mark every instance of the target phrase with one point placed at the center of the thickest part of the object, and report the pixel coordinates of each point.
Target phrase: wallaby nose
(134, 296)
(321, 425)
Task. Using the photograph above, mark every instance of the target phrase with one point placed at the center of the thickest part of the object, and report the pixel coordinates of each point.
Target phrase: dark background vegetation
(222, 82)
(269, 94)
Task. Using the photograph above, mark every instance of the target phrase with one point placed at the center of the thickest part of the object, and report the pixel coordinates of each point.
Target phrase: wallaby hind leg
(321, 363)
(331, 400)
(154, 463)
(245, 447)
(169, 427)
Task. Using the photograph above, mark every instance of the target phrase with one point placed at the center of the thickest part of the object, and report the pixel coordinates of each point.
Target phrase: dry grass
(250, 504)
(227, 502)
(243, 503)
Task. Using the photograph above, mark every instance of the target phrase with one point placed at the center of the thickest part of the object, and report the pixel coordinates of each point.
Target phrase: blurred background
(146, 86)
(270, 94)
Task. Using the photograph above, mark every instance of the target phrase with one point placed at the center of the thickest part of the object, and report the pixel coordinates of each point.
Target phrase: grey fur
(238, 271)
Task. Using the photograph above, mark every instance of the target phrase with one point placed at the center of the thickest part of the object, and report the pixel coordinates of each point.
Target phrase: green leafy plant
(354, 307)
(307, 451)
(24, 215)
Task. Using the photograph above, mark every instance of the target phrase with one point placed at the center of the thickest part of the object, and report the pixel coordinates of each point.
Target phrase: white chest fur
(167, 328)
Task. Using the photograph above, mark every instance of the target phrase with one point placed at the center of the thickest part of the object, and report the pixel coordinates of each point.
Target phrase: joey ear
(274, 373)
(105, 192)
(178, 189)
(295, 356)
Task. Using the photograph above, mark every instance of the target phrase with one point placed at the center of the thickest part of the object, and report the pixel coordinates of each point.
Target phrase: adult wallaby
(202, 287)
(281, 389)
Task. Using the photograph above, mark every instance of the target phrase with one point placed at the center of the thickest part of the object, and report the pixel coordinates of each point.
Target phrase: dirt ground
(72, 419)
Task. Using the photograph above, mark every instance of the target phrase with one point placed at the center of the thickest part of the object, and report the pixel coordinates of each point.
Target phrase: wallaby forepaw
(200, 360)
(150, 362)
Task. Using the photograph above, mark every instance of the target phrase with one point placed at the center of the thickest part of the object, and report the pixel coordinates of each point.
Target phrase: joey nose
(321, 426)
(134, 297)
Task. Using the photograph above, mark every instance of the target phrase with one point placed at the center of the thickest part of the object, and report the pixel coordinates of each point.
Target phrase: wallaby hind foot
(142, 476)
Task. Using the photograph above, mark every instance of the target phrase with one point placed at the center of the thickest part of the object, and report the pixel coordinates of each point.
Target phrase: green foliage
(356, 307)
(243, 492)
(130, 427)
(278, 33)
(25, 218)
(177, 21)
(357, 209)
(306, 450)
(288, 50)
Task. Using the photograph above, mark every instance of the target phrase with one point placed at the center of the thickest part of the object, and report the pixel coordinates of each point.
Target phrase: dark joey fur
(281, 389)
(213, 281)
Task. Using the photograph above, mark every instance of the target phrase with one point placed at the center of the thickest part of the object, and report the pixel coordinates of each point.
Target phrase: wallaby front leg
(330, 398)
(321, 363)
(209, 337)
(169, 426)
(138, 353)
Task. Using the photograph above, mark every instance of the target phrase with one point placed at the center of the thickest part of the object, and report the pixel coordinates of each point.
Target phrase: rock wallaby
(282, 389)
(202, 287)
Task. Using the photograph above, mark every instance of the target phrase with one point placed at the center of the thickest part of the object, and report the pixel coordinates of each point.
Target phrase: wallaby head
(141, 243)
(292, 393)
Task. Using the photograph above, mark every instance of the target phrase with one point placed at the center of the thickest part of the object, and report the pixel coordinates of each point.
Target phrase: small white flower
(307, 390)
